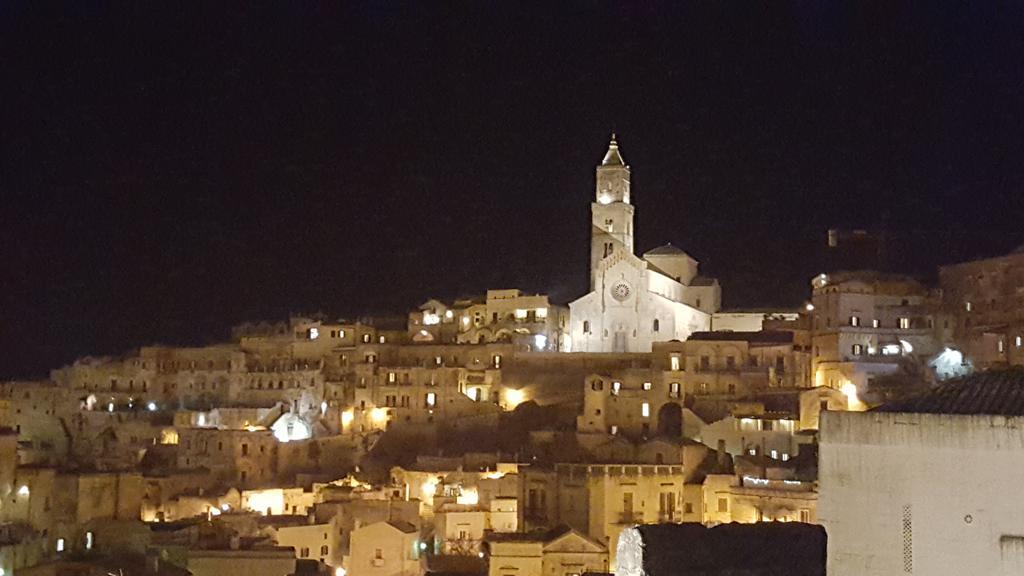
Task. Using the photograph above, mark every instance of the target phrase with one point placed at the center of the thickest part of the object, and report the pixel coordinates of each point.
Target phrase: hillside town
(506, 433)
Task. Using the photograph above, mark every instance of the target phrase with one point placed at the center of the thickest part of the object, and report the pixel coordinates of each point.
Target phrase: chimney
(723, 456)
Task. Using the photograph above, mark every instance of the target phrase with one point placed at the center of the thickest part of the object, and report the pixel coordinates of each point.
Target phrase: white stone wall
(920, 494)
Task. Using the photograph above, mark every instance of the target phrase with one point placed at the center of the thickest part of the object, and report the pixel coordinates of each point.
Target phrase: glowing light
(213, 512)
(907, 348)
(891, 350)
(493, 475)
(756, 481)
(378, 415)
(448, 314)
(431, 399)
(852, 401)
(201, 419)
(290, 427)
(110, 407)
(23, 491)
(430, 319)
(645, 410)
(514, 397)
(473, 393)
(60, 544)
(339, 571)
(540, 341)
(604, 199)
(225, 507)
(428, 489)
(346, 418)
(314, 333)
(542, 312)
(151, 406)
(323, 407)
(169, 436)
(480, 554)
(468, 496)
(270, 501)
(423, 545)
(809, 307)
(465, 320)
(520, 314)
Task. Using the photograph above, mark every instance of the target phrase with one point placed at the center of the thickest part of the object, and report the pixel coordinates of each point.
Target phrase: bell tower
(612, 214)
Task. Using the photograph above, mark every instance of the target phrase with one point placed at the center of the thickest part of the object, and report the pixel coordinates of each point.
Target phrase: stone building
(866, 323)
(925, 486)
(560, 550)
(531, 322)
(983, 298)
(635, 301)
(385, 549)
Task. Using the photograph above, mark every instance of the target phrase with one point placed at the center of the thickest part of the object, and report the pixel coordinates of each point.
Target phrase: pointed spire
(612, 157)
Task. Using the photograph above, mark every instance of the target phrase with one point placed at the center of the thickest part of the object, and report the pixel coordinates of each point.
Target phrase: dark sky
(169, 172)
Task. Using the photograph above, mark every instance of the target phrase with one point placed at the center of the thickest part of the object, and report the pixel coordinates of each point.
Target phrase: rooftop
(993, 392)
(763, 336)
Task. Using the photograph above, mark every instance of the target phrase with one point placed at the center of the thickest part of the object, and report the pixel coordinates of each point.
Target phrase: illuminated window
(875, 323)
(1017, 341)
(437, 360)
(366, 337)
(903, 323)
(430, 400)
(775, 454)
(542, 312)
(341, 333)
(647, 385)
(854, 320)
(673, 389)
(392, 377)
(613, 430)
(785, 456)
(381, 339)
(967, 306)
(496, 360)
(1001, 345)
(314, 333)
(616, 386)
(88, 540)
(858, 349)
(60, 544)
(674, 361)
(645, 410)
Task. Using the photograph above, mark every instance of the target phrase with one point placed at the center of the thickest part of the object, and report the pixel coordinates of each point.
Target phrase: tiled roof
(993, 392)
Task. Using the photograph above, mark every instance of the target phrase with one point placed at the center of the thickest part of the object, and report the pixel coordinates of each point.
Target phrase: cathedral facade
(634, 301)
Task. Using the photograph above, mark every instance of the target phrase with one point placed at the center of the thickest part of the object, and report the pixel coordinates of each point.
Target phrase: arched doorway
(670, 420)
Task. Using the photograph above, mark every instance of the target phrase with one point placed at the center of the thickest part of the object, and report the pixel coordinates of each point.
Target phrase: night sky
(168, 172)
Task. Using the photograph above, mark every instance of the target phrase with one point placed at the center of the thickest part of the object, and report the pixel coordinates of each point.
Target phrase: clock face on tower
(621, 291)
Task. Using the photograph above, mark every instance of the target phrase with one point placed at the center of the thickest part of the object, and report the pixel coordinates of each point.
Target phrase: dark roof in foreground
(760, 549)
(993, 392)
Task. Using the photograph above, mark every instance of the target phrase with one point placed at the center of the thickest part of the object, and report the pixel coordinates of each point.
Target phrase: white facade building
(635, 301)
(931, 487)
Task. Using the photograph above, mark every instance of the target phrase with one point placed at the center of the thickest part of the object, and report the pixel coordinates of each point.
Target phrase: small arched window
(586, 326)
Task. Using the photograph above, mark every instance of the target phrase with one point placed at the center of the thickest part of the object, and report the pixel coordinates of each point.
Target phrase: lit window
(785, 457)
(520, 314)
(431, 399)
(616, 386)
(496, 360)
(858, 349)
(967, 306)
(647, 385)
(366, 337)
(903, 323)
(645, 410)
(88, 540)
(854, 320)
(614, 430)
(875, 323)
(1017, 341)
(381, 339)
(392, 377)
(1001, 345)
(542, 312)
(437, 360)
(314, 333)
(60, 544)
(341, 333)
(674, 360)
(673, 389)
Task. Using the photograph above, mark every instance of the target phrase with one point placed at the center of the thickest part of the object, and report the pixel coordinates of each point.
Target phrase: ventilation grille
(908, 540)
